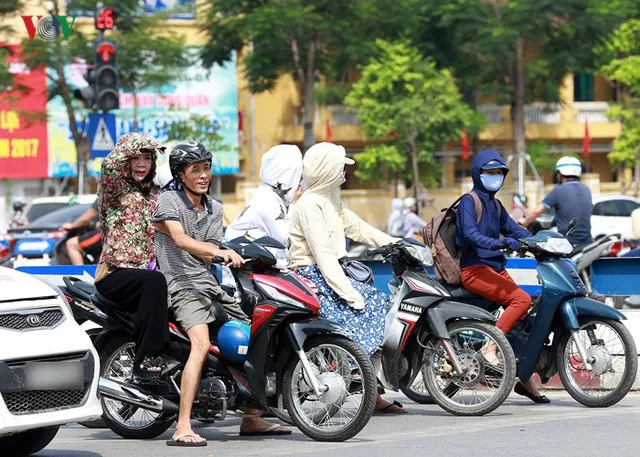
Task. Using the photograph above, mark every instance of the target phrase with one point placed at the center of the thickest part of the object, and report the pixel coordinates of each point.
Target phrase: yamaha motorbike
(566, 332)
(326, 379)
(465, 361)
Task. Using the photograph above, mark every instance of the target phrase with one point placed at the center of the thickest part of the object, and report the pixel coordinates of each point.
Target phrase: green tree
(309, 39)
(404, 102)
(8, 8)
(623, 51)
(516, 51)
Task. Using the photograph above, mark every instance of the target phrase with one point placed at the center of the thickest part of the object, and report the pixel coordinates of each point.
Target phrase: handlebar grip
(217, 259)
(384, 250)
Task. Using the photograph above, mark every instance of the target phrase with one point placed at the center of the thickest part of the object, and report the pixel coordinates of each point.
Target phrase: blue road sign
(102, 134)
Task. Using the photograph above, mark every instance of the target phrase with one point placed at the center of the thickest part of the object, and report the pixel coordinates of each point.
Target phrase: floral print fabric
(126, 206)
(367, 326)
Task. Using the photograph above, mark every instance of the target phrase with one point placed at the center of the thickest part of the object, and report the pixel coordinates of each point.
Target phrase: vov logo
(49, 27)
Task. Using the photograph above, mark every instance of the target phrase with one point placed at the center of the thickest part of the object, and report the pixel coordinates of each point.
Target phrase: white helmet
(409, 202)
(569, 166)
(163, 176)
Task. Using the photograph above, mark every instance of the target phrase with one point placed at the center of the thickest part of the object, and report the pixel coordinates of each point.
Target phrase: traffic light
(87, 95)
(106, 77)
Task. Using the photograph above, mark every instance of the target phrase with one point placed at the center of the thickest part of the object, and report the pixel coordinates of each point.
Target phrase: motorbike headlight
(283, 259)
(421, 254)
(556, 246)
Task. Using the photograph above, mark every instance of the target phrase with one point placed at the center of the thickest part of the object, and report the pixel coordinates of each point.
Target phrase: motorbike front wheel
(614, 362)
(488, 363)
(342, 410)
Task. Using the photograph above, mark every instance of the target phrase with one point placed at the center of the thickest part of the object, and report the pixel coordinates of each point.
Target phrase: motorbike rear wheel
(119, 417)
(569, 363)
(339, 364)
(448, 389)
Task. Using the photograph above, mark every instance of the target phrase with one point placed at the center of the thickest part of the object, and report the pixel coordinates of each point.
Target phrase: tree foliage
(623, 51)
(8, 8)
(311, 40)
(197, 127)
(404, 101)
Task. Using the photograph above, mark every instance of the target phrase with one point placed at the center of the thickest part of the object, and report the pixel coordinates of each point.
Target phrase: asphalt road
(518, 428)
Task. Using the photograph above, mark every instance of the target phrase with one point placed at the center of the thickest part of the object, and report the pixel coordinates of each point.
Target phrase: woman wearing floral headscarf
(127, 200)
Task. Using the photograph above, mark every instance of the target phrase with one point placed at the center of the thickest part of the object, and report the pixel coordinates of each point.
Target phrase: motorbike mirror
(573, 225)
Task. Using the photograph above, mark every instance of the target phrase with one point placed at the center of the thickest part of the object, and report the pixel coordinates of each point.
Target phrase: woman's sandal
(520, 390)
(393, 408)
(175, 441)
(149, 368)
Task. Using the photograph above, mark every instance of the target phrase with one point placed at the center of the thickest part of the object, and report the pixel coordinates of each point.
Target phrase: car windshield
(59, 217)
(40, 209)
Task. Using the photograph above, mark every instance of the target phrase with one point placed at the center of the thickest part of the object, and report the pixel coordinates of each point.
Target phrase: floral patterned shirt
(126, 206)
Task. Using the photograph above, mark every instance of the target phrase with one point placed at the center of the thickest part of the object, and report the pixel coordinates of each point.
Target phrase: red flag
(240, 127)
(586, 142)
(329, 132)
(464, 142)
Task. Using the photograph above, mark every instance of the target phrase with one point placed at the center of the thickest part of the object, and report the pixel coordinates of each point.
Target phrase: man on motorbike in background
(89, 242)
(571, 199)
(188, 228)
(18, 218)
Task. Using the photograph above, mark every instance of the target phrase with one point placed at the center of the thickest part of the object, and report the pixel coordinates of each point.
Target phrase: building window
(583, 87)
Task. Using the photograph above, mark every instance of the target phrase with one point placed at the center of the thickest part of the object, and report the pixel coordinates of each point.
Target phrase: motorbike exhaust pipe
(135, 395)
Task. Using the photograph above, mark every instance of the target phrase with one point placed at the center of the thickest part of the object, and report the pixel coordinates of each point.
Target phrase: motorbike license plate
(54, 375)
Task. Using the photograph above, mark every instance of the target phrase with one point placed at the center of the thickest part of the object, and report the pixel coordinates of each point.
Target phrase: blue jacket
(479, 241)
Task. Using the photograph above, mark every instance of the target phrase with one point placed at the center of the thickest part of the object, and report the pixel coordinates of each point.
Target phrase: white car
(45, 205)
(612, 215)
(49, 369)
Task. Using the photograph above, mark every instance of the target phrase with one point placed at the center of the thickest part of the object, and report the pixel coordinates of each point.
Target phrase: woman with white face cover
(320, 222)
(268, 211)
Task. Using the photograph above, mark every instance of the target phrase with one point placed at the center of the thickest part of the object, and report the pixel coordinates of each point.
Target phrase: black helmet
(186, 153)
(18, 206)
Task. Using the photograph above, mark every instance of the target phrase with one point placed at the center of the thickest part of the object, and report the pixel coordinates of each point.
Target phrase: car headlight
(556, 246)
(420, 253)
(283, 259)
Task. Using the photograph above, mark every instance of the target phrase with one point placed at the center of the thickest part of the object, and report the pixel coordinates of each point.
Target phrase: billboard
(23, 128)
(213, 93)
(175, 9)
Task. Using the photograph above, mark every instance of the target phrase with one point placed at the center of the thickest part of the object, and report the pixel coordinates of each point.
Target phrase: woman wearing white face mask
(319, 225)
(269, 209)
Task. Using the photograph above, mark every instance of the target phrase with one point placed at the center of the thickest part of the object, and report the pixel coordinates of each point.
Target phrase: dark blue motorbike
(565, 332)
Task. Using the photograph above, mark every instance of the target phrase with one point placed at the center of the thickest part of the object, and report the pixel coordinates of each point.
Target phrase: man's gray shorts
(204, 305)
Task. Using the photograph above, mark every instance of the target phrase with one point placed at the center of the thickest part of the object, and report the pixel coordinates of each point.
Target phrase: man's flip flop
(520, 390)
(175, 441)
(388, 409)
(274, 430)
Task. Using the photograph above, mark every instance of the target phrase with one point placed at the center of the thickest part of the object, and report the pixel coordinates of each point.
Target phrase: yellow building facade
(274, 117)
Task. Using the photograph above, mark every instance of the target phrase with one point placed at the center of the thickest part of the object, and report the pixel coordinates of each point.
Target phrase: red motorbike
(326, 380)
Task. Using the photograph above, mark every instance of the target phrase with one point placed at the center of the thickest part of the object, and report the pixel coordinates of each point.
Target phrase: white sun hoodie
(268, 211)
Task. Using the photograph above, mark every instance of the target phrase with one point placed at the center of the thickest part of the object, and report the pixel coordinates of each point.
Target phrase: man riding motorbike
(188, 228)
(89, 242)
(482, 263)
(18, 218)
(571, 199)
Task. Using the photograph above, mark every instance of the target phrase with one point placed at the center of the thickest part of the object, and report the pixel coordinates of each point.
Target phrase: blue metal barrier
(616, 276)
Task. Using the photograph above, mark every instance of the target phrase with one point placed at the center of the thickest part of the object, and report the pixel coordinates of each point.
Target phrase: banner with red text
(23, 124)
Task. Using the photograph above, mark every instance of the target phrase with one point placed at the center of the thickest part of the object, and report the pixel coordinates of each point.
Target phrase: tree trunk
(309, 102)
(517, 115)
(416, 172)
(135, 110)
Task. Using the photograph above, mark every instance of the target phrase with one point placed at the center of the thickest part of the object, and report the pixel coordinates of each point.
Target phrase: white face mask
(492, 182)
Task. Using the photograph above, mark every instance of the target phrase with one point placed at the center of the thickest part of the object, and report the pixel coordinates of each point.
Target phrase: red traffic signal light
(105, 51)
(106, 77)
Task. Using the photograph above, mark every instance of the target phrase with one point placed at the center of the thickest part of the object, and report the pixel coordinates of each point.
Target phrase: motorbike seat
(106, 305)
(461, 294)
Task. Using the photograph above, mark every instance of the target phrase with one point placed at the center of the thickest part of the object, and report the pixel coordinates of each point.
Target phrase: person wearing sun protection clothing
(127, 201)
(482, 262)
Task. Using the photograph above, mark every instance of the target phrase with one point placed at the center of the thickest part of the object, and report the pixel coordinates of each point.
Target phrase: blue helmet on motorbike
(233, 340)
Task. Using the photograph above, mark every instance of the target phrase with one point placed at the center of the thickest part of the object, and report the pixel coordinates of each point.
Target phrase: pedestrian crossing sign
(102, 134)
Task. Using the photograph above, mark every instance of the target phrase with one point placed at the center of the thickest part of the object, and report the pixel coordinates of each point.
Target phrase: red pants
(499, 288)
